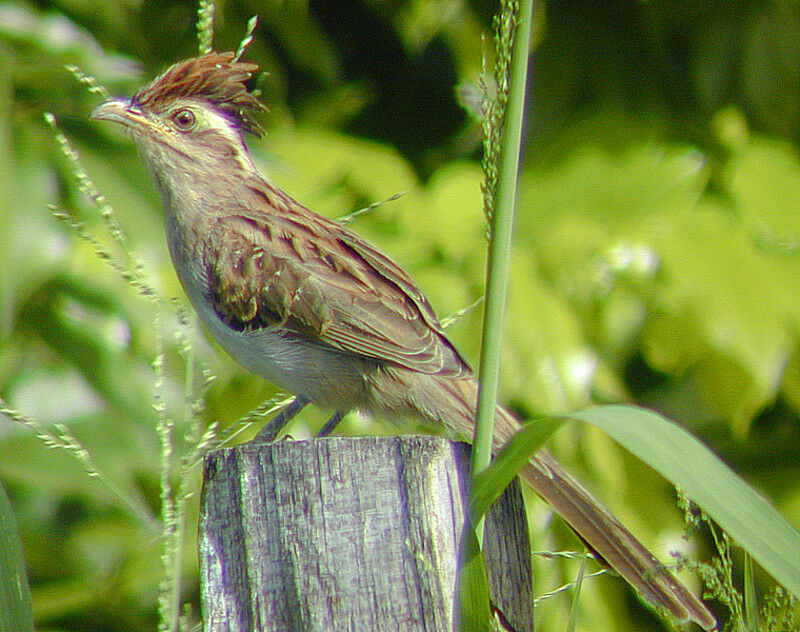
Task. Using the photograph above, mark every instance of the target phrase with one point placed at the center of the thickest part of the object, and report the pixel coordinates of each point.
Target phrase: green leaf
(15, 598)
(491, 482)
(762, 179)
(749, 519)
(683, 460)
(453, 219)
(597, 183)
(334, 174)
(83, 323)
(710, 311)
(473, 609)
(769, 57)
(548, 365)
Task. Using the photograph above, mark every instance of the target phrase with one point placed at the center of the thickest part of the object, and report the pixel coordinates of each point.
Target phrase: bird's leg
(330, 425)
(271, 429)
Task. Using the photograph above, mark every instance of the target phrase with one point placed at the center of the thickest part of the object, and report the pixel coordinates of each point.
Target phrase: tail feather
(616, 546)
(596, 526)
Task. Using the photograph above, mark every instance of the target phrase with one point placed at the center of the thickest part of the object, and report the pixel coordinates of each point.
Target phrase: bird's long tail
(617, 546)
(455, 404)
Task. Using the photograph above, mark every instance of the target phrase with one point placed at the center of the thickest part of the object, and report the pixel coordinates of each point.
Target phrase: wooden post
(343, 534)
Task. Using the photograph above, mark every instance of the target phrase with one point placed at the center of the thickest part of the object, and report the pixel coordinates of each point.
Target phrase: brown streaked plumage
(311, 307)
(316, 279)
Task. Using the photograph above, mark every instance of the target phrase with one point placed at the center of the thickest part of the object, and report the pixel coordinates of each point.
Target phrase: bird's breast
(327, 377)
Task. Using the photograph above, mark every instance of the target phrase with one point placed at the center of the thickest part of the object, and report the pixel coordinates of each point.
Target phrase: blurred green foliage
(656, 257)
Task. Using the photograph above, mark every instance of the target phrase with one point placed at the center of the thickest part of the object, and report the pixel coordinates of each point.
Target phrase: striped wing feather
(317, 279)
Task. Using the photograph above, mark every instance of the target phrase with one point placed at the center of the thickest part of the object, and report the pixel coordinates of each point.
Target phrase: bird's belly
(325, 376)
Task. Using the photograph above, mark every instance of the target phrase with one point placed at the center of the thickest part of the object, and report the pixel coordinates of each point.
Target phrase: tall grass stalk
(576, 595)
(63, 439)
(205, 26)
(513, 36)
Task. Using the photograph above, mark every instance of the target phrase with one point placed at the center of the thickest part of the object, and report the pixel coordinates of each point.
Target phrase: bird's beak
(119, 111)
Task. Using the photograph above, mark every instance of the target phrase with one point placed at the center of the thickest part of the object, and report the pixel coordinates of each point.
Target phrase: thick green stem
(500, 245)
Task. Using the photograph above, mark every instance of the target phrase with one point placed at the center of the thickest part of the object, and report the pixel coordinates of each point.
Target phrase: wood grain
(349, 534)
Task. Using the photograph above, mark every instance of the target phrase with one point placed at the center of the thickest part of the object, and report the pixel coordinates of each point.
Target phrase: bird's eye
(184, 119)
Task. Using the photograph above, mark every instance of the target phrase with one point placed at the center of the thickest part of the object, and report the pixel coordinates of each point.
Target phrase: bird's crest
(217, 79)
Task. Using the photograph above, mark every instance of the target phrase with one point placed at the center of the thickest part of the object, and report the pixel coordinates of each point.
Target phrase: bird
(313, 308)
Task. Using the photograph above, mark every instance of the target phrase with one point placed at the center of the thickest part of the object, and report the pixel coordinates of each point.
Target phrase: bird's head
(193, 114)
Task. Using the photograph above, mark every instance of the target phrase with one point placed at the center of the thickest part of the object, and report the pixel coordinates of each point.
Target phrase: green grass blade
(15, 598)
(473, 607)
(572, 622)
(750, 597)
(491, 482)
(750, 520)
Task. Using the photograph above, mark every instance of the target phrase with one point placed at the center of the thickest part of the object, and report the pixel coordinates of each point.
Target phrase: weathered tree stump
(342, 534)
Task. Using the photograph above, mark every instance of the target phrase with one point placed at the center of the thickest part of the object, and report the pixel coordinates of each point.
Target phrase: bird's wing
(319, 280)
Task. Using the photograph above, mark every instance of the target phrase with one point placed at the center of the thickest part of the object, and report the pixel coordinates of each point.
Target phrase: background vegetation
(655, 261)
